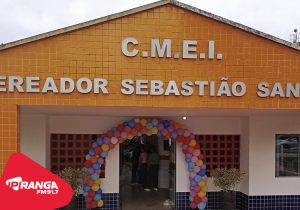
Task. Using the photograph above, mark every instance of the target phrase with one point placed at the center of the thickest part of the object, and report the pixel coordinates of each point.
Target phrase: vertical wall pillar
(9, 132)
(244, 157)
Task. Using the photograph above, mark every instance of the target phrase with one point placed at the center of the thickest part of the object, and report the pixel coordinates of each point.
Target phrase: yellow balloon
(95, 187)
(149, 133)
(201, 184)
(98, 181)
(105, 147)
(154, 130)
(204, 188)
(130, 136)
(199, 162)
(201, 194)
(143, 122)
(193, 143)
(100, 203)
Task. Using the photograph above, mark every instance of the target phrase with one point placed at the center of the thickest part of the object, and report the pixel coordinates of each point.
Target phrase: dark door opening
(147, 180)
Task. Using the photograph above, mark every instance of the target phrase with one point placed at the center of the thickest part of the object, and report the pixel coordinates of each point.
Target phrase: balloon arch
(147, 126)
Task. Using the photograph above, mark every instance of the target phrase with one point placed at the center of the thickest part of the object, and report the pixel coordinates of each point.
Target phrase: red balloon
(111, 146)
(176, 126)
(120, 127)
(109, 134)
(179, 138)
(87, 164)
(88, 199)
(94, 204)
(138, 127)
(165, 132)
(186, 140)
(91, 193)
(98, 150)
(197, 200)
(193, 205)
(197, 146)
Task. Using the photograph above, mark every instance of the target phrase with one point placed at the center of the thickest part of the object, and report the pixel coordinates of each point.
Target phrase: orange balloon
(193, 143)
(190, 150)
(93, 159)
(144, 131)
(89, 182)
(133, 131)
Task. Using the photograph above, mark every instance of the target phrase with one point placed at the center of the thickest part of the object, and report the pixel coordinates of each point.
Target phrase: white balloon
(114, 140)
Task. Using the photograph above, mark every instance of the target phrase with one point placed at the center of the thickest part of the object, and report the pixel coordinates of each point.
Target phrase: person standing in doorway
(135, 162)
(143, 168)
(153, 167)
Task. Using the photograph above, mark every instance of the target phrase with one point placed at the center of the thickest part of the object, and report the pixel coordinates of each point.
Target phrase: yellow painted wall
(95, 51)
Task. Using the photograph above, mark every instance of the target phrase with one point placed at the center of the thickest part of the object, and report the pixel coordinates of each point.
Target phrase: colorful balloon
(201, 206)
(100, 203)
(114, 140)
(149, 126)
(105, 147)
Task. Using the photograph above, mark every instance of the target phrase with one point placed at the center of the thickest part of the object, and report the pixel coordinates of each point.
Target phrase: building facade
(230, 83)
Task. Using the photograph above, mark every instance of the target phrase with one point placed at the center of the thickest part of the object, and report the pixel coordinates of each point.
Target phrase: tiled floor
(133, 196)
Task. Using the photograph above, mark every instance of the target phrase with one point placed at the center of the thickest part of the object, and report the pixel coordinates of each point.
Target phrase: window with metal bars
(220, 151)
(69, 150)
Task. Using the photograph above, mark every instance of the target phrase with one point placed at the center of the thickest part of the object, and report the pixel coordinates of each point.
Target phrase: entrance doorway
(143, 185)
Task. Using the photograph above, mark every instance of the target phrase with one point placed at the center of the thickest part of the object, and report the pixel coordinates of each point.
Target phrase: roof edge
(83, 24)
(235, 24)
(147, 7)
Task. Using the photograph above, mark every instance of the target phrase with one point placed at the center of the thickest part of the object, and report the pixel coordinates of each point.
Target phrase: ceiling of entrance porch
(143, 111)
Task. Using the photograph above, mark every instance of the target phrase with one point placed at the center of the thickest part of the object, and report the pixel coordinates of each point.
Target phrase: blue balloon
(154, 121)
(94, 145)
(149, 126)
(104, 154)
(131, 123)
(99, 141)
(191, 198)
(86, 188)
(117, 134)
(191, 164)
(99, 191)
(96, 166)
(159, 134)
(95, 176)
(188, 155)
(166, 123)
(201, 206)
(198, 178)
(174, 135)
(170, 129)
(180, 131)
(92, 152)
(97, 197)
(106, 140)
(202, 172)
